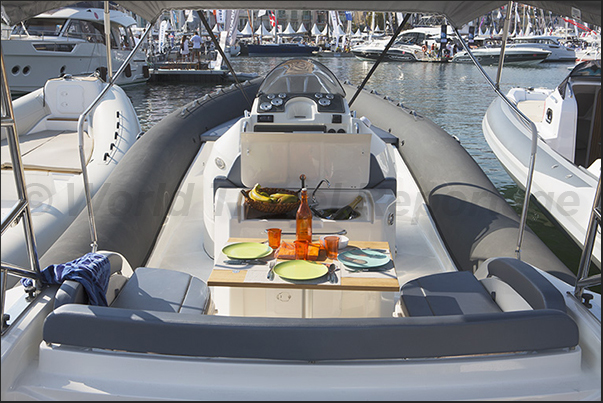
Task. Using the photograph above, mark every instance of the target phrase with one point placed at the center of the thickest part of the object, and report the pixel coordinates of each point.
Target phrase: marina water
(453, 95)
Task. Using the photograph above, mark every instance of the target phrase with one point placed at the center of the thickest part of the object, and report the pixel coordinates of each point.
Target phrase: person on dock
(184, 50)
(196, 41)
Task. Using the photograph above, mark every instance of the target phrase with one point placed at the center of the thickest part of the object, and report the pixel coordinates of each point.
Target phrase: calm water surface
(455, 96)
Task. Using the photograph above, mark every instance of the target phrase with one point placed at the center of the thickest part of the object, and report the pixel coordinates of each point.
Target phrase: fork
(271, 265)
(332, 277)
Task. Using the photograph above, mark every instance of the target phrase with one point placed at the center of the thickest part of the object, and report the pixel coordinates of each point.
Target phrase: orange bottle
(303, 219)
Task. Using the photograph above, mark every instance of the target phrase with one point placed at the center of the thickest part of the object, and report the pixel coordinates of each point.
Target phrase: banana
(257, 196)
(278, 196)
(288, 199)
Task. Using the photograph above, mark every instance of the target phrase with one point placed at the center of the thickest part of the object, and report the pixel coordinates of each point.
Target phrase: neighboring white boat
(559, 52)
(398, 52)
(592, 51)
(47, 123)
(70, 41)
(437, 307)
(513, 56)
(568, 159)
(408, 47)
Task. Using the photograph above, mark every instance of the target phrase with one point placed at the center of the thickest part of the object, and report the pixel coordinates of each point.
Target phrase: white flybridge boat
(440, 294)
(71, 40)
(568, 163)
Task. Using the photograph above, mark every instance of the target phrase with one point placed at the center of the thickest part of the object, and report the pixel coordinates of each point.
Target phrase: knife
(352, 260)
(244, 261)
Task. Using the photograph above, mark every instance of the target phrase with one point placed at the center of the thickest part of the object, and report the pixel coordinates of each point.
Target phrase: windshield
(301, 76)
(40, 26)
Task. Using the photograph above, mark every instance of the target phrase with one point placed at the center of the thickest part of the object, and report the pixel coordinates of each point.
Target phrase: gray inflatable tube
(130, 207)
(474, 220)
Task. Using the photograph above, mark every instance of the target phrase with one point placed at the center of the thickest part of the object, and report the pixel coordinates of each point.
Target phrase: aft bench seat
(316, 339)
(463, 329)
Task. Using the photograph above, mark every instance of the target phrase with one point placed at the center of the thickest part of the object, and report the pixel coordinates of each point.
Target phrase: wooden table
(236, 276)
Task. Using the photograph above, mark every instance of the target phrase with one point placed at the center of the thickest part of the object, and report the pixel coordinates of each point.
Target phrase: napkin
(286, 251)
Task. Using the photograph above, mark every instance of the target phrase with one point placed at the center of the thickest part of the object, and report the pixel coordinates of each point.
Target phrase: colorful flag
(272, 18)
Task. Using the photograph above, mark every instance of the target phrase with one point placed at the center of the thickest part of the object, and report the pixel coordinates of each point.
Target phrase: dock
(199, 72)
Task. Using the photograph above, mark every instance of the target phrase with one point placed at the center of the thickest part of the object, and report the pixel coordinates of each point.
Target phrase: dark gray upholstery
(376, 178)
(72, 292)
(453, 293)
(531, 285)
(457, 293)
(165, 291)
(308, 339)
(148, 288)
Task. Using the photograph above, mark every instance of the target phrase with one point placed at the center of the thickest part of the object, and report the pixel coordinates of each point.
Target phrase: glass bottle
(346, 212)
(303, 219)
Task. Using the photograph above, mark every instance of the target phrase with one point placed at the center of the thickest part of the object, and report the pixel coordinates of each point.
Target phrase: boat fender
(128, 71)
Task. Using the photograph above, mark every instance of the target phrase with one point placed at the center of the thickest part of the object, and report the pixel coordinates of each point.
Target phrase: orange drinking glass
(332, 246)
(301, 249)
(274, 237)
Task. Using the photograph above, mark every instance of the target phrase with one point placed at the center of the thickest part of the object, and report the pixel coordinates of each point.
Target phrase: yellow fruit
(278, 196)
(288, 199)
(257, 196)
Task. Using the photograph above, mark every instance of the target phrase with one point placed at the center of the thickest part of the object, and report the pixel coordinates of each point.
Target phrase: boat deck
(50, 151)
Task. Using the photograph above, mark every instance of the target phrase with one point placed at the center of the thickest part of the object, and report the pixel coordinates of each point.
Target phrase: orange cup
(274, 237)
(301, 250)
(332, 246)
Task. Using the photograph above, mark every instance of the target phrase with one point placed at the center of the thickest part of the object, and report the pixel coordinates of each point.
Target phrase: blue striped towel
(92, 271)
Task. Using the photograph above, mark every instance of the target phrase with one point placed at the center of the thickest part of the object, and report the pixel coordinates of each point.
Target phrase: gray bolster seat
(461, 293)
(148, 288)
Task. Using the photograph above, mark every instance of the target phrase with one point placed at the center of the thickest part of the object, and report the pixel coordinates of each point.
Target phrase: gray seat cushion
(454, 293)
(165, 291)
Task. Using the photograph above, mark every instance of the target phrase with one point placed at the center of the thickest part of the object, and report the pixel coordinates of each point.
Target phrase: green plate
(300, 270)
(363, 258)
(247, 250)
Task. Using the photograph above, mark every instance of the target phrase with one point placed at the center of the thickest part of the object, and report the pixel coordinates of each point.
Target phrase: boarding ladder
(583, 280)
(21, 210)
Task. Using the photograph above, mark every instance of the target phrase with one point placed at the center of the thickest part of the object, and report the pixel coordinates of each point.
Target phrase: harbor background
(453, 95)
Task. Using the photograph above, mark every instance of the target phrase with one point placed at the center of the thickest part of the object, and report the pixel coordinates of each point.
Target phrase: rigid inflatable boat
(428, 300)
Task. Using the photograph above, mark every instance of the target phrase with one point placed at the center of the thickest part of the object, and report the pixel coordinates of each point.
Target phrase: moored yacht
(70, 41)
(524, 56)
(559, 52)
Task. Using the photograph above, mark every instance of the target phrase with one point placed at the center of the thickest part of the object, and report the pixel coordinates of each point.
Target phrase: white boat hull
(561, 188)
(54, 183)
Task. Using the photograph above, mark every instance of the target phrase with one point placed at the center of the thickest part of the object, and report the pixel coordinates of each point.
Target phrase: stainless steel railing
(583, 280)
(21, 210)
